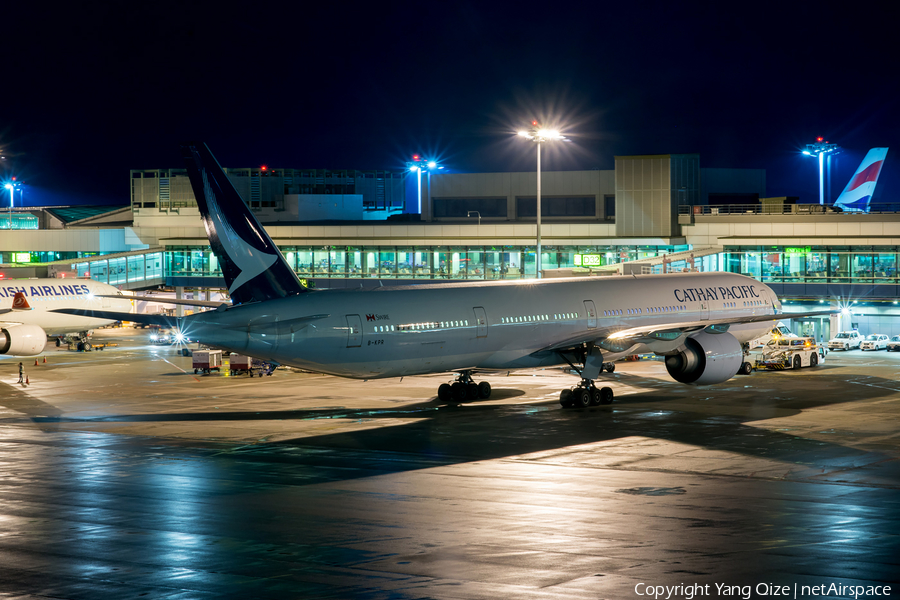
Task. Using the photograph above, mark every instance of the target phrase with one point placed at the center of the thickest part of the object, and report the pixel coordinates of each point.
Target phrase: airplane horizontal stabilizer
(207, 303)
(161, 320)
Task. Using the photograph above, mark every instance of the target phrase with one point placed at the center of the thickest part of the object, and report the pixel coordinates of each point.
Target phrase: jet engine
(707, 358)
(22, 340)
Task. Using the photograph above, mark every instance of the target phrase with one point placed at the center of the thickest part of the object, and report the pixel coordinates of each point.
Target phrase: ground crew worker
(21, 373)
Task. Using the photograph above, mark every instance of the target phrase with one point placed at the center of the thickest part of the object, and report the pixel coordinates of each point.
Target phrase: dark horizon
(97, 92)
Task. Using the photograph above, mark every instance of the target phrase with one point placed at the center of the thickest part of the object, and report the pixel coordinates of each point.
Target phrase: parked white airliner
(28, 311)
(697, 321)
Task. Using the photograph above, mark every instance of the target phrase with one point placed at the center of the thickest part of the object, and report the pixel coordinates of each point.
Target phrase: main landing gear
(464, 389)
(586, 393)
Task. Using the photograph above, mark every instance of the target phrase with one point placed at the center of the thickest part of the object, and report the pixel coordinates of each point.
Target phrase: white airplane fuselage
(46, 295)
(392, 332)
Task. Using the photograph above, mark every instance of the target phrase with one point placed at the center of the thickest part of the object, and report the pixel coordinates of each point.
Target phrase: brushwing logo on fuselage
(250, 261)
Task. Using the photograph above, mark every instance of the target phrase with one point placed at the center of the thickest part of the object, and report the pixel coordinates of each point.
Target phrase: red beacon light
(416, 157)
(263, 168)
(819, 139)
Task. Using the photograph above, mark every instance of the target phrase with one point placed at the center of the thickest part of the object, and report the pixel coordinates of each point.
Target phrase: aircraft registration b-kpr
(697, 321)
(28, 311)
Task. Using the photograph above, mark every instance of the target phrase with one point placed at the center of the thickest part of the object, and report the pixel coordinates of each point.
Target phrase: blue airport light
(417, 165)
(822, 149)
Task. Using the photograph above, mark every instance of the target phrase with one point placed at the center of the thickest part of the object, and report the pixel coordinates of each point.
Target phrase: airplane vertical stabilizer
(253, 266)
(858, 193)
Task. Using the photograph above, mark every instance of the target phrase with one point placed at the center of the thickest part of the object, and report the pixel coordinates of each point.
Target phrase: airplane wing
(666, 331)
(161, 320)
(208, 303)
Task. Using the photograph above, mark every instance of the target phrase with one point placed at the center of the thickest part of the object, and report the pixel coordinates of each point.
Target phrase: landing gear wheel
(814, 360)
(746, 368)
(80, 346)
(484, 390)
(444, 393)
(58, 343)
(471, 391)
(565, 398)
(797, 362)
(606, 395)
(87, 346)
(458, 391)
(610, 367)
(595, 397)
(582, 397)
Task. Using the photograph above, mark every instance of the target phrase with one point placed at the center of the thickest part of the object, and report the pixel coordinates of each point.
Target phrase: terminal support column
(179, 295)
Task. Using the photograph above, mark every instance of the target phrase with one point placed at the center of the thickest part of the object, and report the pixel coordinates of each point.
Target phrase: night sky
(95, 89)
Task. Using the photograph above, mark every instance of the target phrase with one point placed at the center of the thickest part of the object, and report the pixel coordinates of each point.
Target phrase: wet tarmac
(124, 475)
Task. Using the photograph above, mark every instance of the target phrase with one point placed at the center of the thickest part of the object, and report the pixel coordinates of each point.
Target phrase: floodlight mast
(539, 135)
(417, 165)
(822, 149)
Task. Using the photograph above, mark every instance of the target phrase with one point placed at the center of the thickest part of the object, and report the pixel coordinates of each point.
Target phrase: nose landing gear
(464, 388)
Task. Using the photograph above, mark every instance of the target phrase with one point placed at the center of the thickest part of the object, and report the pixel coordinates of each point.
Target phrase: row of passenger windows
(536, 318)
(421, 326)
(653, 310)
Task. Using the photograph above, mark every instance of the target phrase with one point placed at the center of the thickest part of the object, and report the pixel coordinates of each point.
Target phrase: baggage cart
(206, 361)
(239, 364)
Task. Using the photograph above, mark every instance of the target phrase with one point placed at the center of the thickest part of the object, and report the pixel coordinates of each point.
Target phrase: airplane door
(354, 331)
(480, 322)
(591, 312)
(704, 310)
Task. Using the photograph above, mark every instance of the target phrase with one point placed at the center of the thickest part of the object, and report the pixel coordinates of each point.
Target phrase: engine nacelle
(707, 358)
(22, 340)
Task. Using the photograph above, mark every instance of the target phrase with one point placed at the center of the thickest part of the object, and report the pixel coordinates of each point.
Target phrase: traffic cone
(26, 380)
(35, 362)
(45, 360)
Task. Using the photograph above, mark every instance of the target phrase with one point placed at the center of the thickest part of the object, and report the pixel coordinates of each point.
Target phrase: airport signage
(588, 260)
(803, 250)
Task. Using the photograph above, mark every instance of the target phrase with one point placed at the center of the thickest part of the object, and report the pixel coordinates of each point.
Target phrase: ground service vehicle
(790, 353)
(875, 341)
(845, 340)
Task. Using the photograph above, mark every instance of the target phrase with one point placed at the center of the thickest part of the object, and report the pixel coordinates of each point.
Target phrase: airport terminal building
(350, 228)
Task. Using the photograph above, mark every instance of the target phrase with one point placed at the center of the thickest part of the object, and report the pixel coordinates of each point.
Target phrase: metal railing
(781, 209)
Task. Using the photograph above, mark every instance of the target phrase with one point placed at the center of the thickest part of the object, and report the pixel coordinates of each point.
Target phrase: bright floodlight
(8, 186)
(414, 168)
(524, 134)
(431, 164)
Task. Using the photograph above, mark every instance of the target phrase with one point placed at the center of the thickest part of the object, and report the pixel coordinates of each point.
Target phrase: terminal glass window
(885, 267)
(320, 262)
(304, 261)
(116, 271)
(816, 265)
(771, 266)
(405, 262)
(387, 263)
(153, 265)
(862, 266)
(98, 271)
(136, 268)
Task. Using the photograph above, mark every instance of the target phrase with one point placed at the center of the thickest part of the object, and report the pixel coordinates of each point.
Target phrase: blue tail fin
(254, 268)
